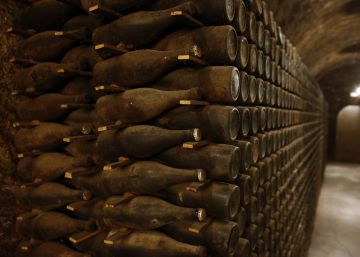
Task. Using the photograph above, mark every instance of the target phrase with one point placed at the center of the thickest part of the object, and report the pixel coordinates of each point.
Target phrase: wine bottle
(219, 236)
(141, 243)
(48, 166)
(218, 84)
(48, 107)
(239, 21)
(45, 137)
(218, 44)
(140, 141)
(47, 46)
(211, 13)
(50, 225)
(86, 210)
(82, 58)
(88, 179)
(217, 123)
(137, 68)
(254, 173)
(81, 117)
(118, 5)
(255, 149)
(251, 27)
(42, 78)
(94, 245)
(252, 64)
(140, 104)
(147, 177)
(49, 195)
(220, 200)
(242, 57)
(244, 87)
(89, 22)
(81, 86)
(245, 154)
(244, 122)
(52, 249)
(243, 248)
(53, 12)
(139, 29)
(251, 234)
(81, 148)
(244, 183)
(146, 212)
(220, 162)
(241, 220)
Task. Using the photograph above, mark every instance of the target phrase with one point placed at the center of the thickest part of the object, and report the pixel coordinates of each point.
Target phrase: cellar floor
(337, 225)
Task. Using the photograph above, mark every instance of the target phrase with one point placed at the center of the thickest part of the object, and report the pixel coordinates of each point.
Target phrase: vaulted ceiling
(326, 33)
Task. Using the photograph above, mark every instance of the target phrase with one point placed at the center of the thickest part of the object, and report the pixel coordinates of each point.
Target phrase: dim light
(354, 94)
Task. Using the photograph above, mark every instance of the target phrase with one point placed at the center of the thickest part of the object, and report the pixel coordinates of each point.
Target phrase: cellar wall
(8, 211)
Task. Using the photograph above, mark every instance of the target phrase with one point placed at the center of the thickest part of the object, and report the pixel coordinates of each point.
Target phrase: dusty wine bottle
(242, 58)
(218, 84)
(244, 183)
(137, 68)
(49, 195)
(48, 107)
(139, 29)
(218, 44)
(239, 21)
(50, 225)
(45, 137)
(254, 173)
(86, 210)
(140, 141)
(255, 149)
(47, 46)
(217, 123)
(139, 243)
(252, 65)
(93, 244)
(146, 103)
(53, 12)
(148, 177)
(82, 58)
(117, 5)
(146, 212)
(82, 117)
(220, 162)
(51, 249)
(81, 86)
(243, 248)
(211, 13)
(245, 154)
(240, 220)
(244, 87)
(90, 22)
(80, 149)
(220, 200)
(43, 77)
(220, 237)
(48, 166)
(244, 122)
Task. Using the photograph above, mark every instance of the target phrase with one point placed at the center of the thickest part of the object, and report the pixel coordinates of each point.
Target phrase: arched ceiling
(326, 34)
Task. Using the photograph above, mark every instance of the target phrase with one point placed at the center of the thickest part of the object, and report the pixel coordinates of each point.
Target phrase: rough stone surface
(8, 210)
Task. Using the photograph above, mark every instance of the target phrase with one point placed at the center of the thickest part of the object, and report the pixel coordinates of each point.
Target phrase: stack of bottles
(163, 128)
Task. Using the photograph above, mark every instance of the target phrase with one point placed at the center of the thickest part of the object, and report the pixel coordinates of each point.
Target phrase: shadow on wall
(348, 134)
